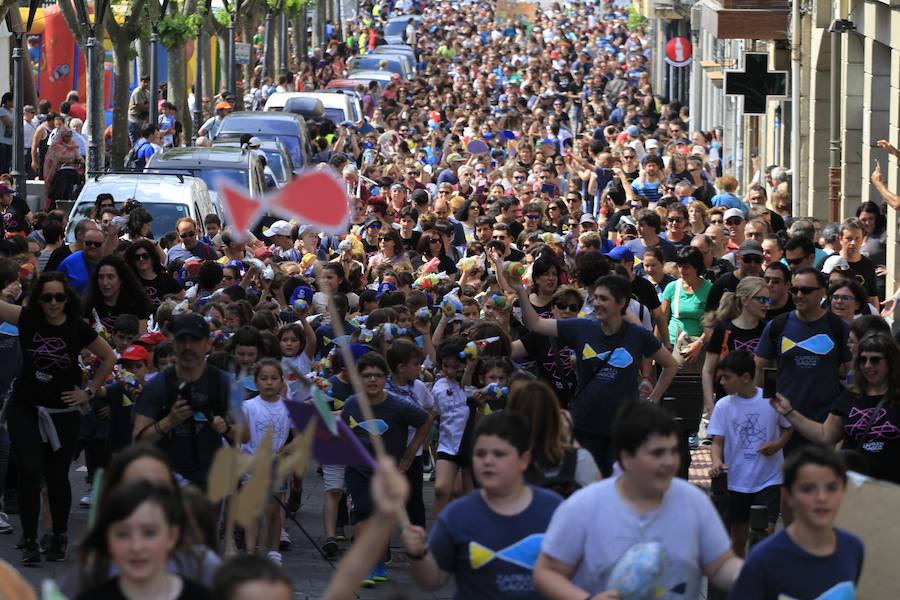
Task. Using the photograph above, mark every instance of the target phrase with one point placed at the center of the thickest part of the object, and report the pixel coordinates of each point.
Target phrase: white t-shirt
(594, 528)
(261, 416)
(417, 393)
(296, 389)
(450, 404)
(746, 424)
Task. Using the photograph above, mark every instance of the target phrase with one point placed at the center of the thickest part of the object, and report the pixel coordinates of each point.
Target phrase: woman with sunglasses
(557, 215)
(865, 415)
(46, 401)
(431, 246)
(736, 324)
(143, 258)
(390, 250)
(847, 299)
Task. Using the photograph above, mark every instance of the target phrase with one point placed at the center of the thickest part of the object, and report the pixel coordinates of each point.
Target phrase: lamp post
(197, 115)
(283, 41)
(233, 10)
(268, 58)
(90, 56)
(154, 64)
(18, 167)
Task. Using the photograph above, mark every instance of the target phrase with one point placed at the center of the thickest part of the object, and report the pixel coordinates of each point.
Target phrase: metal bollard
(718, 488)
(759, 524)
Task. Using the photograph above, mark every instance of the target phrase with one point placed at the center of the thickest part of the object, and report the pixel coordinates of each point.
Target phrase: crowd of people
(538, 247)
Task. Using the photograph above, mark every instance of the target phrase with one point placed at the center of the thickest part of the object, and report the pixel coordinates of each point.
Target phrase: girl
(138, 528)
(847, 299)
(654, 270)
(263, 413)
(298, 347)
(546, 277)
(683, 304)
(332, 279)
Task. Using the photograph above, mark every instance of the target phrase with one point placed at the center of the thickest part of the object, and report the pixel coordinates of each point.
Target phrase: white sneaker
(5, 526)
(85, 502)
(275, 557)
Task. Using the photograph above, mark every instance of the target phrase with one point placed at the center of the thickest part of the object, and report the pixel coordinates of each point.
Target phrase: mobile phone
(770, 377)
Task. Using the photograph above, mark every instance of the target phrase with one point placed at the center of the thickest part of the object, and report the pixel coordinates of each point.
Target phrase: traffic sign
(678, 51)
(756, 83)
(242, 53)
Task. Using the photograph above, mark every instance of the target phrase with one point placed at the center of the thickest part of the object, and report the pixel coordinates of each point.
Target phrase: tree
(122, 32)
(176, 28)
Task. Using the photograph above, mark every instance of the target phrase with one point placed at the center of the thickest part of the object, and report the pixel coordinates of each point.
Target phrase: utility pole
(154, 63)
(18, 167)
(283, 40)
(197, 116)
(269, 49)
(95, 131)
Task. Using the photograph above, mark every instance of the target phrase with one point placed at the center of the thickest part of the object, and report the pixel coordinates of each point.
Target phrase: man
(647, 184)
(715, 267)
(66, 250)
(509, 215)
(718, 241)
(809, 348)
(806, 227)
(211, 127)
(799, 253)
(645, 504)
(756, 196)
(442, 211)
(6, 132)
(587, 223)
(676, 219)
(734, 221)
(484, 226)
(79, 267)
(183, 410)
(863, 268)
(281, 233)
(501, 234)
(750, 257)
(312, 243)
(138, 108)
(449, 175)
(190, 245)
(649, 226)
(29, 127)
(143, 147)
(778, 278)
(77, 110)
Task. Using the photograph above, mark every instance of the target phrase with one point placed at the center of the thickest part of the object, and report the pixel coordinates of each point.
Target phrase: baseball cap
(420, 196)
(304, 229)
(279, 227)
(455, 158)
(587, 219)
(651, 143)
(136, 353)
(190, 325)
(223, 105)
(151, 338)
(4, 189)
(734, 212)
(302, 292)
(835, 262)
(29, 108)
(633, 131)
(620, 253)
(750, 247)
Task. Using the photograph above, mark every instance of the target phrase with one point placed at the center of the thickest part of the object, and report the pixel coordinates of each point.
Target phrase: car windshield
(212, 175)
(165, 215)
(291, 143)
(335, 115)
(394, 28)
(275, 161)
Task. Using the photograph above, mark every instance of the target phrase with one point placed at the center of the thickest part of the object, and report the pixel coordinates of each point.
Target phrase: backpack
(835, 329)
(563, 483)
(132, 162)
(214, 392)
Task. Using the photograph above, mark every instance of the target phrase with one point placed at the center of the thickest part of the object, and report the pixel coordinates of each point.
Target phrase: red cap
(262, 253)
(136, 353)
(151, 339)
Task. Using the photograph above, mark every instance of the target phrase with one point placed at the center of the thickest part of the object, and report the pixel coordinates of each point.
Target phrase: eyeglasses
(843, 297)
(141, 256)
(48, 298)
(519, 177)
(806, 290)
(795, 261)
(567, 306)
(872, 360)
(371, 375)
(481, 170)
(764, 300)
(734, 221)
(751, 259)
(384, 238)
(533, 217)
(93, 244)
(187, 234)
(675, 219)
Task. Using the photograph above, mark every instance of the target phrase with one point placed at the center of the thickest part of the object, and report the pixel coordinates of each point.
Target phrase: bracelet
(158, 429)
(417, 557)
(788, 412)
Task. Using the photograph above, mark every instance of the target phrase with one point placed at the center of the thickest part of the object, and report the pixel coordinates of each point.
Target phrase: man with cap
(652, 147)
(138, 108)
(588, 222)
(211, 127)
(184, 409)
(734, 224)
(750, 257)
(312, 243)
(642, 291)
(280, 233)
(448, 175)
(397, 200)
(29, 127)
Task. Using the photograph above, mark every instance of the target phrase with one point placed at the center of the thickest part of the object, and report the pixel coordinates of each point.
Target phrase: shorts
(333, 477)
(463, 461)
(739, 504)
(360, 497)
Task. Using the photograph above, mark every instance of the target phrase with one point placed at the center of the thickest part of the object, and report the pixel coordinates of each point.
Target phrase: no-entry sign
(678, 51)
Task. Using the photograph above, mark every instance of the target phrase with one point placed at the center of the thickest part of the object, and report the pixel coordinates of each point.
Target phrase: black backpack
(132, 163)
(563, 483)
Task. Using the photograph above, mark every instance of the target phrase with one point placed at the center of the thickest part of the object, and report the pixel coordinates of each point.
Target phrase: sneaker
(5, 526)
(388, 559)
(379, 573)
(427, 462)
(275, 557)
(56, 552)
(85, 502)
(45, 542)
(693, 442)
(31, 553)
(369, 582)
(330, 547)
(284, 543)
(340, 535)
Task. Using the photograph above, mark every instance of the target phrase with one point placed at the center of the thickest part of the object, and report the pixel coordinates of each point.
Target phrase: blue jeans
(134, 132)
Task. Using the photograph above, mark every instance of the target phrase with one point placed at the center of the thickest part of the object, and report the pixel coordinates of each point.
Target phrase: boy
(392, 419)
(125, 331)
(490, 538)
(251, 577)
(747, 436)
(405, 361)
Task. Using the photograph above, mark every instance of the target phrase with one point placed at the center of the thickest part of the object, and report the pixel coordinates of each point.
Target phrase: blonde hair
(732, 303)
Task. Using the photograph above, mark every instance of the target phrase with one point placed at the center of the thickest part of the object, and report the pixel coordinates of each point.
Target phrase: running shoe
(56, 551)
(330, 547)
(379, 573)
(31, 553)
(275, 557)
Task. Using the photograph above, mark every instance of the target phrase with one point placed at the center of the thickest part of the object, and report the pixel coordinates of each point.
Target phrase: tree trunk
(178, 87)
(272, 47)
(209, 71)
(298, 24)
(121, 47)
(143, 58)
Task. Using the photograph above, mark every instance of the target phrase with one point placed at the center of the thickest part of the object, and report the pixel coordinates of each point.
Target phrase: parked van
(287, 128)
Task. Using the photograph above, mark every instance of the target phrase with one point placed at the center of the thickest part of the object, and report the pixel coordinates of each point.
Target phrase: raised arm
(532, 321)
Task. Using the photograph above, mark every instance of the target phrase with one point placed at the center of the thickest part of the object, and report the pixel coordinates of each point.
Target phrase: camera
(202, 403)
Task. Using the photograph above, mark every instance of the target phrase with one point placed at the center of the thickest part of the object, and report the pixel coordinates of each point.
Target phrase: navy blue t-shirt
(393, 418)
(491, 555)
(603, 391)
(779, 569)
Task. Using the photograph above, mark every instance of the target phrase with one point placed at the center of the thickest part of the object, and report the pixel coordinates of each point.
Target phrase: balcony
(745, 19)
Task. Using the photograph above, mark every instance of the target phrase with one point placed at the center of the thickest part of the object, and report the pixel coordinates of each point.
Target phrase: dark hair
(462, 213)
(883, 343)
(409, 211)
(137, 218)
(801, 242)
(691, 256)
(821, 456)
(507, 426)
(372, 360)
(209, 275)
(163, 350)
(147, 245)
(402, 351)
(338, 270)
(127, 455)
(739, 362)
(244, 568)
(131, 292)
(636, 422)
(127, 324)
(73, 302)
(880, 220)
(618, 286)
(246, 336)
(859, 294)
(591, 266)
(267, 362)
(264, 320)
(235, 292)
(782, 268)
(545, 261)
(450, 347)
(52, 231)
(821, 278)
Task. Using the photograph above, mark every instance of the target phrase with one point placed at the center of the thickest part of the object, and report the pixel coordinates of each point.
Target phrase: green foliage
(635, 18)
(222, 17)
(175, 29)
(291, 7)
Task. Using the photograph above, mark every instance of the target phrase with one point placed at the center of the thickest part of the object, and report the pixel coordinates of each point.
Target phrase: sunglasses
(141, 256)
(752, 258)
(628, 156)
(188, 234)
(48, 298)
(870, 360)
(375, 225)
(433, 241)
(764, 300)
(93, 244)
(795, 261)
(773, 280)
(384, 238)
(806, 290)
(675, 219)
(519, 178)
(567, 306)
(734, 221)
(533, 217)
(481, 170)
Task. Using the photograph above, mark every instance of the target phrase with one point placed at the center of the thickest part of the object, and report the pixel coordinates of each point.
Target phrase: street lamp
(198, 78)
(90, 56)
(232, 64)
(154, 66)
(18, 148)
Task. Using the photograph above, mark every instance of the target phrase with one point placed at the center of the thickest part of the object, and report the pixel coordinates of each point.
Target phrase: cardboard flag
(320, 400)
(295, 462)
(315, 198)
(477, 147)
(228, 466)
(341, 449)
(242, 210)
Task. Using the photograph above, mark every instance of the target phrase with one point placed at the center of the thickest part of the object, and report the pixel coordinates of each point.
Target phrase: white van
(338, 107)
(167, 197)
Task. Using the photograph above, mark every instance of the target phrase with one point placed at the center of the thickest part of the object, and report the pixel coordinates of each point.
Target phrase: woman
(606, 344)
(697, 217)
(553, 363)
(654, 270)
(143, 258)
(137, 227)
(551, 455)
(331, 280)
(115, 291)
(431, 246)
(138, 529)
(736, 325)
(54, 238)
(847, 299)
(390, 249)
(409, 218)
(874, 245)
(678, 170)
(63, 168)
(546, 272)
(40, 143)
(466, 215)
(683, 304)
(52, 336)
(557, 215)
(863, 416)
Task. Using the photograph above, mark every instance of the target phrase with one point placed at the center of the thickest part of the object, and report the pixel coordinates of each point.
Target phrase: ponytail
(730, 306)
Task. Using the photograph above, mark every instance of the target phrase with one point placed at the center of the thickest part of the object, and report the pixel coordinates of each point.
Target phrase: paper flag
(228, 466)
(328, 449)
(477, 147)
(251, 500)
(320, 400)
(295, 462)
(242, 210)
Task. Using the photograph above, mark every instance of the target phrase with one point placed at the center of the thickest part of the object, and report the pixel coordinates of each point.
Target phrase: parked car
(395, 28)
(277, 158)
(373, 62)
(337, 105)
(166, 196)
(288, 128)
(239, 166)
